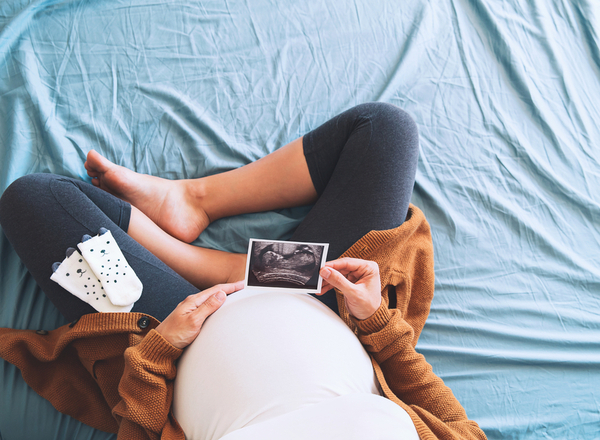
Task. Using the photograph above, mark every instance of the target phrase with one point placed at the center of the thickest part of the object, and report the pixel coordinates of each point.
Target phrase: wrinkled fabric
(505, 98)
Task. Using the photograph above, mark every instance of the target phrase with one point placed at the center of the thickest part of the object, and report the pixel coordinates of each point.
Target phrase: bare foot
(169, 203)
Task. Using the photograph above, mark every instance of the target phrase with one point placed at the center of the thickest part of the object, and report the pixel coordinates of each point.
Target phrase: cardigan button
(144, 322)
(42, 332)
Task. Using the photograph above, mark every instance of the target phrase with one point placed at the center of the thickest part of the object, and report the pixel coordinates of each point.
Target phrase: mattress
(505, 96)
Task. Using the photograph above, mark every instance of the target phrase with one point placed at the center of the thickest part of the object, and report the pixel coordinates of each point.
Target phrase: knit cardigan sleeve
(389, 339)
(406, 263)
(146, 391)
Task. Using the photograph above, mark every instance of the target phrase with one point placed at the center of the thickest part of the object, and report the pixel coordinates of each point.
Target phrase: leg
(376, 145)
(202, 267)
(363, 164)
(360, 165)
(42, 215)
(184, 208)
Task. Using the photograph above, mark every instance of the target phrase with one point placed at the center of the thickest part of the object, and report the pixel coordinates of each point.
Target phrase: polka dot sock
(75, 275)
(121, 284)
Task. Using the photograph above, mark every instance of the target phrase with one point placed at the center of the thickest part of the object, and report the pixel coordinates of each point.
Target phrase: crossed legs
(184, 208)
(358, 169)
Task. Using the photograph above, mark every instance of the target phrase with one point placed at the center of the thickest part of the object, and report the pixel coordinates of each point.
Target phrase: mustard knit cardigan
(114, 372)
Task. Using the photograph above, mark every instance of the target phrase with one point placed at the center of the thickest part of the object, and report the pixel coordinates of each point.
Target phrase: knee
(17, 198)
(23, 186)
(389, 116)
(396, 131)
(392, 114)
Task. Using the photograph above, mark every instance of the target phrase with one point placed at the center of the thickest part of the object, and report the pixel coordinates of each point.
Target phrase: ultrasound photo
(285, 265)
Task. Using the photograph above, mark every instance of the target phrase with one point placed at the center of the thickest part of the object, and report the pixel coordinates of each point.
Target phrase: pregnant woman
(256, 364)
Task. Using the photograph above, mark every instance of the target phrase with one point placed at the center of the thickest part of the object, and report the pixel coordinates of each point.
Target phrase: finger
(355, 269)
(230, 288)
(195, 300)
(226, 287)
(325, 287)
(336, 279)
(347, 265)
(211, 305)
(199, 298)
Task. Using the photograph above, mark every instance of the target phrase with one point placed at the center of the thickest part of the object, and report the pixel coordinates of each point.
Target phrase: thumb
(336, 279)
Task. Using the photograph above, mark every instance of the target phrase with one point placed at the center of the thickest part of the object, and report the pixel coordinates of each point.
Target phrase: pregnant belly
(263, 354)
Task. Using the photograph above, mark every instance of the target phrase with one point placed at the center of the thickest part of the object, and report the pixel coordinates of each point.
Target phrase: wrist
(163, 331)
(156, 348)
(366, 312)
(376, 322)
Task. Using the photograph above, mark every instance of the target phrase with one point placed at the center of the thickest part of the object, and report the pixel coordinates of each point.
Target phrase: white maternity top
(270, 364)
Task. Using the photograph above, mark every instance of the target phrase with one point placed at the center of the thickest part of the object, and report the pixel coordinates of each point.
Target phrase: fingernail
(325, 272)
(220, 295)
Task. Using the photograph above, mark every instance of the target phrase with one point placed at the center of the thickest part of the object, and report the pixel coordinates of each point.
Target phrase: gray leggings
(362, 164)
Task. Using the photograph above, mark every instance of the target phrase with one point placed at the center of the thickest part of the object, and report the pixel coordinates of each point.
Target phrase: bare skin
(166, 202)
(168, 214)
(358, 280)
(184, 208)
(200, 266)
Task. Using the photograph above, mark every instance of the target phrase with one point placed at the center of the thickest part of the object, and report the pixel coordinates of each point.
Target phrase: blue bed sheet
(505, 95)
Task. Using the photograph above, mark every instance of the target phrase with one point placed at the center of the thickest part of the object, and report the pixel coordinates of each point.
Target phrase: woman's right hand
(182, 326)
(358, 280)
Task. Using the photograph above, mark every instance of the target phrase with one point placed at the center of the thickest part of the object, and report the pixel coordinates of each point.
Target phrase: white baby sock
(106, 260)
(75, 275)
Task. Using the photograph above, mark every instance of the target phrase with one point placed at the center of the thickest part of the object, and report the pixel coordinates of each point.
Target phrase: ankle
(197, 195)
(205, 196)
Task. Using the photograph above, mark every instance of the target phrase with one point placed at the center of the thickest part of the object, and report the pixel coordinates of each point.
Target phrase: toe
(97, 163)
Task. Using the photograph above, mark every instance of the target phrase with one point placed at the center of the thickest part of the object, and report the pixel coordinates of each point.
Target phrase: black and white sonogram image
(285, 265)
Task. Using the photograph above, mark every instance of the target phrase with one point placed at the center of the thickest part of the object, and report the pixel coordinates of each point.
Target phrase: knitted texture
(83, 373)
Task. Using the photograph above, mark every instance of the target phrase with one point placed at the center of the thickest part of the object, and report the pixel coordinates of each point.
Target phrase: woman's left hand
(359, 282)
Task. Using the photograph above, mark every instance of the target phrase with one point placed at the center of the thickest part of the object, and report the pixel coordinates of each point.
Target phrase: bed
(505, 95)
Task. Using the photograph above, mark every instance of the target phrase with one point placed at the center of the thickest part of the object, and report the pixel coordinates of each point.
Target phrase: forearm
(388, 338)
(146, 389)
